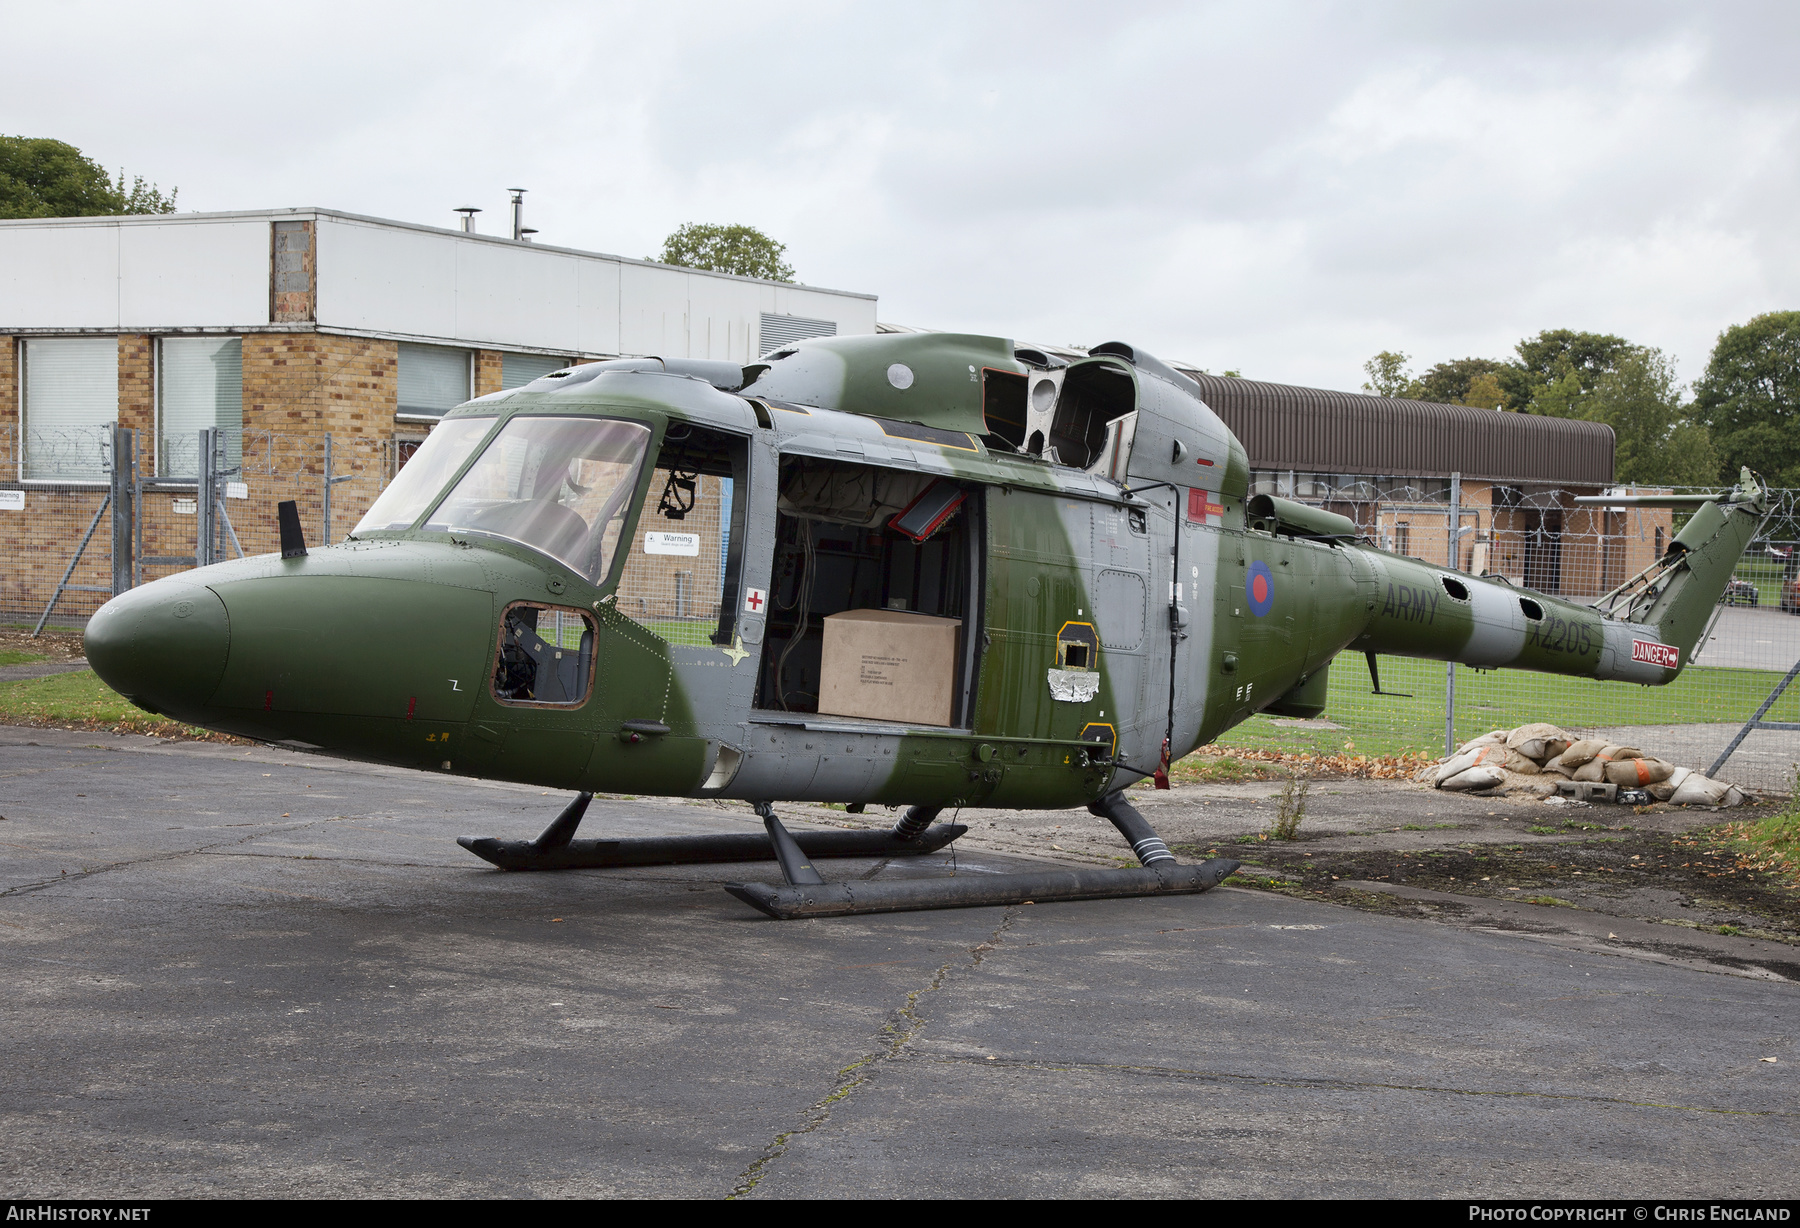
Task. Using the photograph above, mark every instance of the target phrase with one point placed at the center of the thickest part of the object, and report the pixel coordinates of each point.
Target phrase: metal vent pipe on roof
(468, 218)
(518, 206)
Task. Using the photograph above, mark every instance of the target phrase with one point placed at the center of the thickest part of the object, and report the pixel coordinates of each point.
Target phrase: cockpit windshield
(559, 485)
(422, 477)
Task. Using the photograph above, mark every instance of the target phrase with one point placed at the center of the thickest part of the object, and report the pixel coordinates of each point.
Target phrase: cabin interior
(843, 543)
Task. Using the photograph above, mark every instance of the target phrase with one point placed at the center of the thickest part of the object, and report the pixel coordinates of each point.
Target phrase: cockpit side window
(546, 655)
(560, 485)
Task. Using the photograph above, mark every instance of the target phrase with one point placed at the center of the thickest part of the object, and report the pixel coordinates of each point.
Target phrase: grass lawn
(82, 700)
(21, 658)
(693, 632)
(1770, 844)
(1380, 725)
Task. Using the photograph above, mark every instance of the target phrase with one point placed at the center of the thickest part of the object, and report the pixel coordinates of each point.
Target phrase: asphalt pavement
(1751, 638)
(40, 669)
(247, 972)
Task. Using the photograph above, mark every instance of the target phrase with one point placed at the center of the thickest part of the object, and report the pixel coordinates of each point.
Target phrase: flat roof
(1315, 430)
(284, 215)
(376, 277)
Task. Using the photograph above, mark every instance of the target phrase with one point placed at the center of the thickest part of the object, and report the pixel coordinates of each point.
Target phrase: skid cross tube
(1138, 833)
(794, 866)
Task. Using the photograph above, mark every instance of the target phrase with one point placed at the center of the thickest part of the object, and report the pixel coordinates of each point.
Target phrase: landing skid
(807, 894)
(988, 890)
(557, 850)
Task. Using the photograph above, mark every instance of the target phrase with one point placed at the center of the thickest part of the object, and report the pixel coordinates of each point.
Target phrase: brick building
(320, 344)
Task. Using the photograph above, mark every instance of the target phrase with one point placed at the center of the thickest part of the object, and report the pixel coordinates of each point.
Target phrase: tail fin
(1677, 593)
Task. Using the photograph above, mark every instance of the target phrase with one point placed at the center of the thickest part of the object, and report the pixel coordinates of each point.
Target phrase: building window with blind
(777, 331)
(199, 384)
(433, 379)
(517, 370)
(71, 401)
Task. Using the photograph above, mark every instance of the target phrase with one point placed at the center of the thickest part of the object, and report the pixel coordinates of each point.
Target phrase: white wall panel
(597, 306)
(385, 278)
(59, 275)
(212, 271)
(654, 318)
(509, 294)
(202, 274)
(727, 312)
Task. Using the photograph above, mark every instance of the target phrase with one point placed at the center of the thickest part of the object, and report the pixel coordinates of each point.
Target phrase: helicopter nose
(162, 646)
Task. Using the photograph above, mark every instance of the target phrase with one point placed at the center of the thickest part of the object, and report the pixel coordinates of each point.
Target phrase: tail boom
(1644, 631)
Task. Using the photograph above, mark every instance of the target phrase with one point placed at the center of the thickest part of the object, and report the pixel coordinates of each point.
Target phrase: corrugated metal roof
(1314, 430)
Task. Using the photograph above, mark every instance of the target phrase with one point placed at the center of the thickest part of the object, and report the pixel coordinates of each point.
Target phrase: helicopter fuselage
(1116, 593)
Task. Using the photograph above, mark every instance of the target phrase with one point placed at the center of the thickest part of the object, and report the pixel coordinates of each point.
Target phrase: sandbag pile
(1534, 757)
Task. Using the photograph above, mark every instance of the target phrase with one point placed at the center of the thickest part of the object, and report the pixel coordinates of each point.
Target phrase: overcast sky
(1282, 189)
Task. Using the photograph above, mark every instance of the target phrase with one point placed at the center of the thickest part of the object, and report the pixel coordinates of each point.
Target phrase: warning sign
(1656, 654)
(657, 542)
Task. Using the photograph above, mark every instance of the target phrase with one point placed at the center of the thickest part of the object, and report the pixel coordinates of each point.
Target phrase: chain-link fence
(109, 521)
(57, 534)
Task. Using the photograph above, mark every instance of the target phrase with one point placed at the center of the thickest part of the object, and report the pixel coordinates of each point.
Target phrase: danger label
(1655, 654)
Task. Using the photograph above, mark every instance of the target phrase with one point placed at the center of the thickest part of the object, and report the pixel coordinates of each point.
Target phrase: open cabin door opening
(870, 594)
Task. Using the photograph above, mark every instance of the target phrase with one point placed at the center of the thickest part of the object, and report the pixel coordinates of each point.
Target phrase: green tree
(1539, 381)
(743, 250)
(1750, 397)
(40, 177)
(1484, 392)
(1449, 382)
(1388, 375)
(1657, 440)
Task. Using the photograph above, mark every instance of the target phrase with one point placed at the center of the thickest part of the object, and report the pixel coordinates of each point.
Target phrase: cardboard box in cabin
(889, 665)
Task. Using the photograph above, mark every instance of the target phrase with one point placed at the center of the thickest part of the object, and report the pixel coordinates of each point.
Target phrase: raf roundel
(1259, 587)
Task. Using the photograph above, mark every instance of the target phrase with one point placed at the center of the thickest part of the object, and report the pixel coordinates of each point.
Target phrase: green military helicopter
(922, 570)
